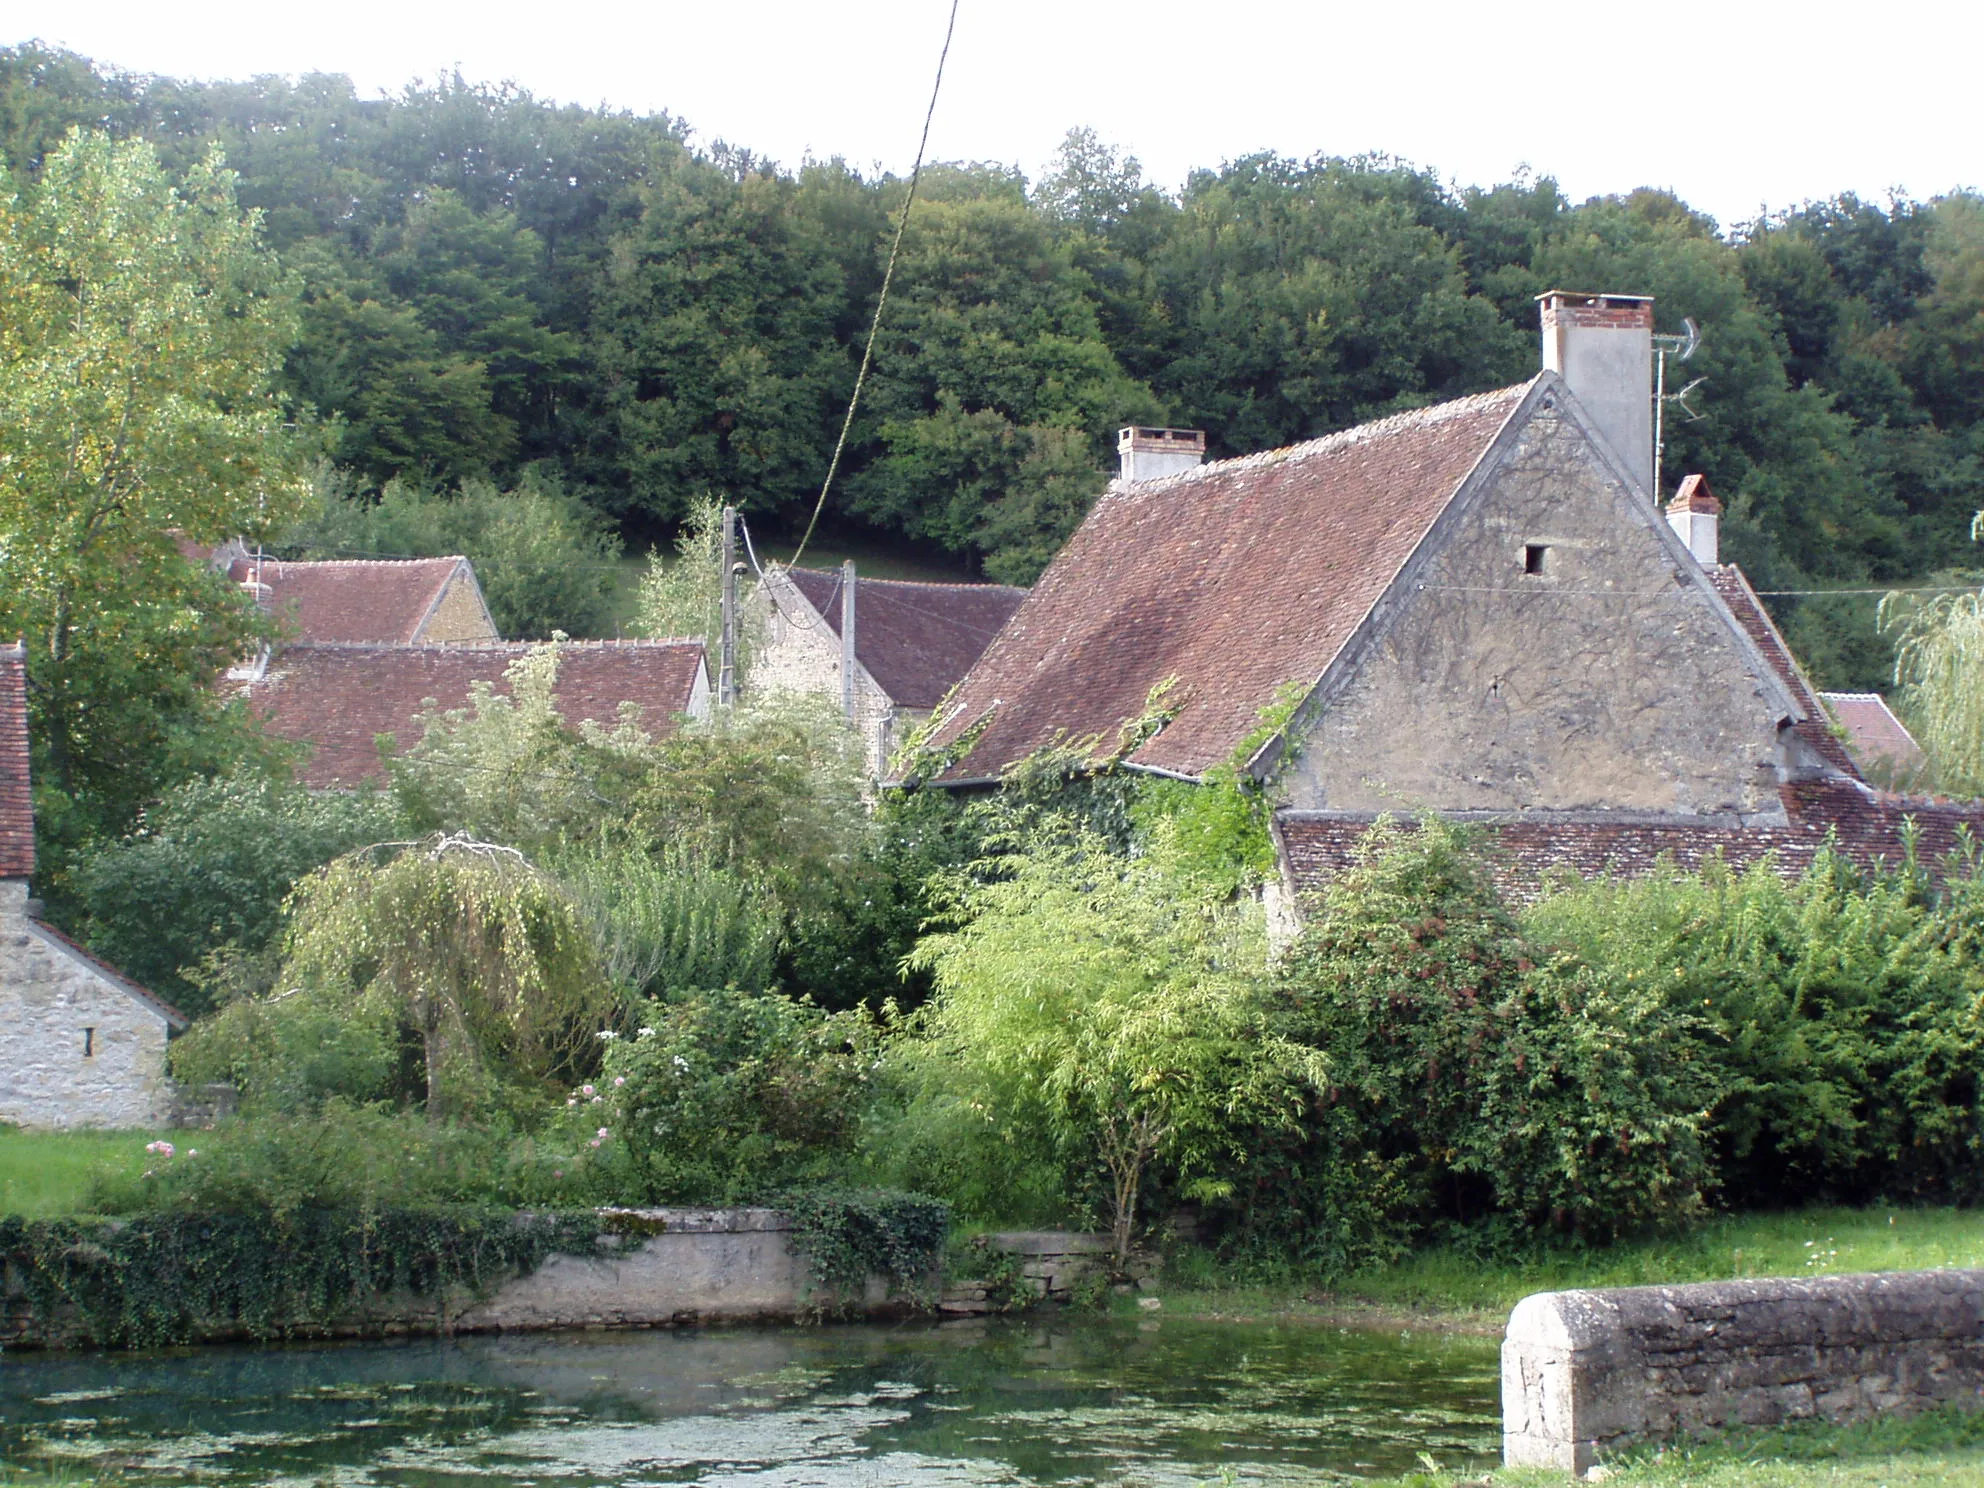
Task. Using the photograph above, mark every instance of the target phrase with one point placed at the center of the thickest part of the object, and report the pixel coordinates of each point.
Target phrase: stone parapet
(1586, 1373)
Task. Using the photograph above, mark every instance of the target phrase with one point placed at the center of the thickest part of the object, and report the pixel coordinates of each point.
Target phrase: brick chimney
(1695, 514)
(1602, 346)
(1149, 453)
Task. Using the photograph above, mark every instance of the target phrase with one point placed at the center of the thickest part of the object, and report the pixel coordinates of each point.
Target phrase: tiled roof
(1867, 827)
(916, 640)
(1750, 613)
(339, 699)
(1234, 578)
(1872, 730)
(16, 796)
(363, 601)
(112, 975)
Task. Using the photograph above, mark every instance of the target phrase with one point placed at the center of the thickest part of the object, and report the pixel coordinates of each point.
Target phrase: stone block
(1587, 1372)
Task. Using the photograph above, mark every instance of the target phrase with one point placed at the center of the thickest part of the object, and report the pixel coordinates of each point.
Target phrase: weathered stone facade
(799, 653)
(1551, 646)
(79, 1046)
(1586, 1373)
(460, 614)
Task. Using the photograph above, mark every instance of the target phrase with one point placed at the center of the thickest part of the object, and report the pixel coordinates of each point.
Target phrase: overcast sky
(1736, 105)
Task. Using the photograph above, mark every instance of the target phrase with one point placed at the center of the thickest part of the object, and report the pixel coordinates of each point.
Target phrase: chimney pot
(1696, 515)
(1147, 454)
(1602, 346)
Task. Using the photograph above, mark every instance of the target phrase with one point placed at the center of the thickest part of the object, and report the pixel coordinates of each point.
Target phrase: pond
(928, 1405)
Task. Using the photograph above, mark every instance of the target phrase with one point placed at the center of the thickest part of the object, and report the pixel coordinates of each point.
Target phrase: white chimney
(1602, 346)
(1150, 453)
(1695, 514)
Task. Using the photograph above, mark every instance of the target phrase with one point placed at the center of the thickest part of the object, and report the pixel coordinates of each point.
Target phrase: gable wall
(798, 657)
(1605, 683)
(47, 998)
(460, 616)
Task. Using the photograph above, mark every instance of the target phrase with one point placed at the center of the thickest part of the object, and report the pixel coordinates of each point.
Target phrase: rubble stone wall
(1585, 1373)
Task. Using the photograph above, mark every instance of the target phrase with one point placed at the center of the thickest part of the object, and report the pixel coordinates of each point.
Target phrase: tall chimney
(1150, 453)
(1695, 514)
(1602, 346)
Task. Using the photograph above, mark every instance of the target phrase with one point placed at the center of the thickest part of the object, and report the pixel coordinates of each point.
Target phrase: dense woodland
(499, 289)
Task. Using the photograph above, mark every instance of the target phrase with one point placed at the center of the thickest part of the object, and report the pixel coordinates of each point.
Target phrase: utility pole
(847, 639)
(726, 676)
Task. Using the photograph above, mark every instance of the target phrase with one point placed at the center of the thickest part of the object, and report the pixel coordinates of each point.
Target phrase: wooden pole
(847, 639)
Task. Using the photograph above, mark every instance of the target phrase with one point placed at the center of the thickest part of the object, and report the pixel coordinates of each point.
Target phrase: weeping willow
(480, 958)
(1939, 667)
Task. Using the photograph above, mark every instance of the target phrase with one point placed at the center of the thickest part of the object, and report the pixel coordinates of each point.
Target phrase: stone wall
(1585, 1373)
(76, 1048)
(1609, 678)
(461, 615)
(799, 653)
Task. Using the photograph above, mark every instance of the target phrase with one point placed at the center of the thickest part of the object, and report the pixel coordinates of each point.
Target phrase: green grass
(1462, 1288)
(43, 1174)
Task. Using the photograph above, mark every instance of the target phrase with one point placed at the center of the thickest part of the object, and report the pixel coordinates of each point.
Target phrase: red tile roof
(1872, 730)
(1868, 827)
(371, 600)
(1750, 613)
(1235, 578)
(339, 699)
(916, 640)
(16, 795)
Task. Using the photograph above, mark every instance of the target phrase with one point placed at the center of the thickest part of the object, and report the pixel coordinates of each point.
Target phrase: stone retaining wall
(1585, 1373)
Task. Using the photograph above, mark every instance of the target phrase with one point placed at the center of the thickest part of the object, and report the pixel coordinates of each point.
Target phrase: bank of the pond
(1447, 1287)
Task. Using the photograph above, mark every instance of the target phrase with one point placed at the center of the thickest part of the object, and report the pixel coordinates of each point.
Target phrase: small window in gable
(89, 1043)
(1534, 557)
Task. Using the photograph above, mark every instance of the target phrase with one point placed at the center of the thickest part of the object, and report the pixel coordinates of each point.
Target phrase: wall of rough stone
(1607, 681)
(801, 657)
(460, 616)
(1586, 1373)
(49, 996)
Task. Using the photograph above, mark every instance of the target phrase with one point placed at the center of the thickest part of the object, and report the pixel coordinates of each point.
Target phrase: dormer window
(1534, 558)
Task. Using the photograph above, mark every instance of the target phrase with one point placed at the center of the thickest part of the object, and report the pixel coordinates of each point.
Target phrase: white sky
(1736, 105)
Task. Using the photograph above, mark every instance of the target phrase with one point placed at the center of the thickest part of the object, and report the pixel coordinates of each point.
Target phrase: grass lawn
(49, 1173)
(1931, 1451)
(1448, 1286)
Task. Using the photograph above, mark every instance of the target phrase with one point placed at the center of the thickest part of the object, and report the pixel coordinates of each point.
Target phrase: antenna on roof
(1680, 348)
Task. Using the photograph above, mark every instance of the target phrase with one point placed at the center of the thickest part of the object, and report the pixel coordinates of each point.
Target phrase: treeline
(495, 287)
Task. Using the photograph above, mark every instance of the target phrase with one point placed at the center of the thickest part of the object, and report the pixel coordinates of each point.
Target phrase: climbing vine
(848, 1235)
(175, 1277)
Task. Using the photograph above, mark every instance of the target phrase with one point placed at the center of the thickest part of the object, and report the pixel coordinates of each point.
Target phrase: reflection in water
(1019, 1402)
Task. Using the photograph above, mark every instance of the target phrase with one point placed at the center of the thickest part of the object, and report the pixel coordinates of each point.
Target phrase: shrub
(1837, 1014)
(731, 1095)
(209, 867)
(1498, 1081)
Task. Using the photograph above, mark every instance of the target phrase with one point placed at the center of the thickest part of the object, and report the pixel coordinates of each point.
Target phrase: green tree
(471, 953)
(1106, 1008)
(140, 331)
(208, 868)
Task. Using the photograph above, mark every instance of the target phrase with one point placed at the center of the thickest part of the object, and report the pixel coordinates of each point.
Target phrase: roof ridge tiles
(967, 584)
(1383, 428)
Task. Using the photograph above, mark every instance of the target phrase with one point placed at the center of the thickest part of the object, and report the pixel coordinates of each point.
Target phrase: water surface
(1007, 1402)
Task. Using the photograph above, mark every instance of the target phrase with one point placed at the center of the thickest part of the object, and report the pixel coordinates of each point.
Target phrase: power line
(888, 274)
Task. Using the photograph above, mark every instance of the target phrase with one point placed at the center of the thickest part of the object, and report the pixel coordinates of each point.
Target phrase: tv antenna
(1679, 347)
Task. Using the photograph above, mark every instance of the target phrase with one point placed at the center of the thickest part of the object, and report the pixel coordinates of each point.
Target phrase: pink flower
(573, 1101)
(604, 1134)
(160, 1149)
(618, 1081)
(593, 1143)
(587, 1090)
(557, 1172)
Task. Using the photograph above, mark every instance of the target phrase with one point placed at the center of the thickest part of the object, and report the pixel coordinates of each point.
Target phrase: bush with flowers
(726, 1095)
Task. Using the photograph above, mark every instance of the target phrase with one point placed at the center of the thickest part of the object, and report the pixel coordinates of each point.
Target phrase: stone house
(80, 1044)
(912, 644)
(1477, 608)
(370, 601)
(346, 701)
